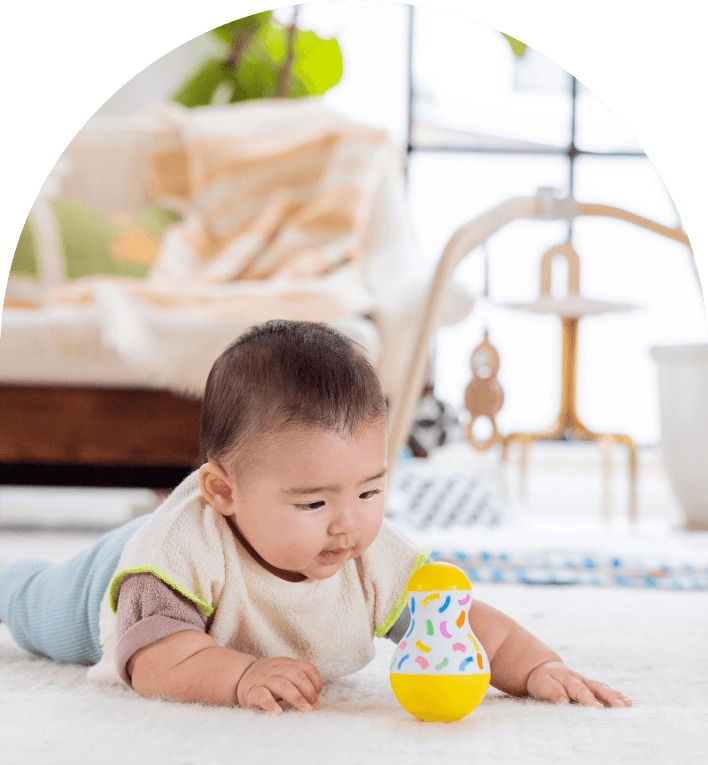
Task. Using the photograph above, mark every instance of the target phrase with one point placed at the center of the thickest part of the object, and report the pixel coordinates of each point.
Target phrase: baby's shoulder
(183, 524)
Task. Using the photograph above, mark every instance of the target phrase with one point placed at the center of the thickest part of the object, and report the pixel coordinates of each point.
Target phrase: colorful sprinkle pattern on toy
(435, 685)
(443, 637)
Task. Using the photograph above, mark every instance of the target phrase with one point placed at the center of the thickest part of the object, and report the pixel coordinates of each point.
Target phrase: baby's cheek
(300, 543)
(289, 558)
(371, 529)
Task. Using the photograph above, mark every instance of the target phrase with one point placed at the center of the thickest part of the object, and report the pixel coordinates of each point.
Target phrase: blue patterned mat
(427, 496)
(575, 568)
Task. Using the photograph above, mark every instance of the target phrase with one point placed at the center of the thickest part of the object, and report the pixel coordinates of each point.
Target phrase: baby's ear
(217, 488)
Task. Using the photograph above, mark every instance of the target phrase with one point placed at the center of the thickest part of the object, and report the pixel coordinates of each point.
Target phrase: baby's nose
(345, 521)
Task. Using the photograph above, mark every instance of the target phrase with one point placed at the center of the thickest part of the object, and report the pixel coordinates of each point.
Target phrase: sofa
(103, 358)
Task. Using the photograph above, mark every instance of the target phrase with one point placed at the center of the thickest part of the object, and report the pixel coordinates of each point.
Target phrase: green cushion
(85, 239)
(156, 220)
(25, 262)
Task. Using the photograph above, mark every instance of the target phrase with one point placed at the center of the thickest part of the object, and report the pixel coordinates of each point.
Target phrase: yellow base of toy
(441, 698)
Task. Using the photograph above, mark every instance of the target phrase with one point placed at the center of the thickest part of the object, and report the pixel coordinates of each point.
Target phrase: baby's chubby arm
(190, 666)
(522, 665)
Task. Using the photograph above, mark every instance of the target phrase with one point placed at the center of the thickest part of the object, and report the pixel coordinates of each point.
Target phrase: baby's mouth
(334, 556)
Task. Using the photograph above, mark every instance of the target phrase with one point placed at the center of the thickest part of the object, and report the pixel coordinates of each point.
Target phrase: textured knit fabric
(149, 610)
(53, 608)
(330, 622)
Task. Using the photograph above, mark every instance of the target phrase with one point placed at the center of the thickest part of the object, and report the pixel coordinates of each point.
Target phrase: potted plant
(261, 58)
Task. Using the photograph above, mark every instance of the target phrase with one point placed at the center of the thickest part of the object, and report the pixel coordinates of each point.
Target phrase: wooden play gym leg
(605, 441)
(632, 449)
(607, 474)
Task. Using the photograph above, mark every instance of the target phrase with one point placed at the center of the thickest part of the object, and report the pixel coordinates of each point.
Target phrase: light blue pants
(52, 608)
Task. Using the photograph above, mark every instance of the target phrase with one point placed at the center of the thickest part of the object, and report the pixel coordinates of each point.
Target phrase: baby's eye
(311, 506)
(369, 494)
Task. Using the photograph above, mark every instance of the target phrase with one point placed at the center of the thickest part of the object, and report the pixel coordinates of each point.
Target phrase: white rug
(651, 645)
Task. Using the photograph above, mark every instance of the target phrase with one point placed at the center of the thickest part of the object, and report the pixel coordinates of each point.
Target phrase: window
(486, 126)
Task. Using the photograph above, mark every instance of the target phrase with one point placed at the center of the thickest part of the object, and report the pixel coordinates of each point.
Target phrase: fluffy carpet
(651, 645)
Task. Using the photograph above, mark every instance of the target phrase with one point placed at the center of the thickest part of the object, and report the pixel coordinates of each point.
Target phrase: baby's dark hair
(284, 373)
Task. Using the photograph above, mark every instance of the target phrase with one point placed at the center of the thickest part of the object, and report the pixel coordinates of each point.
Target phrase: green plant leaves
(517, 46)
(199, 89)
(256, 75)
(316, 64)
(249, 24)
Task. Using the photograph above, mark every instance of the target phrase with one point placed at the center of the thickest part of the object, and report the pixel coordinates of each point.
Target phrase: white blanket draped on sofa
(275, 218)
(288, 210)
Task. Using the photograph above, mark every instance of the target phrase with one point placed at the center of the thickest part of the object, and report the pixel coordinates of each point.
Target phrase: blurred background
(488, 125)
(476, 118)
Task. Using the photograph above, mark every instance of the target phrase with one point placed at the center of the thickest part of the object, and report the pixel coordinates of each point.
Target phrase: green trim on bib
(117, 581)
(403, 599)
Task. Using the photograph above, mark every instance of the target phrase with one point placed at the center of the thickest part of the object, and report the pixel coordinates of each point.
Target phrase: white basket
(683, 398)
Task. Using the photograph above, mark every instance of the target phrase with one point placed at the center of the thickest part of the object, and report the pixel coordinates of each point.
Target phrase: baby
(271, 568)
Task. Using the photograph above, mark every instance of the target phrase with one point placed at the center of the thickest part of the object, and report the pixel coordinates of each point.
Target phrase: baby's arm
(164, 650)
(190, 666)
(522, 665)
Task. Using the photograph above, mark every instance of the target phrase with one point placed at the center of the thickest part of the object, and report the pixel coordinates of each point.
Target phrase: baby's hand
(296, 681)
(554, 681)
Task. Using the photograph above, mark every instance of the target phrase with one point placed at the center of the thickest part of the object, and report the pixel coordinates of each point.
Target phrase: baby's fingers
(289, 692)
(306, 678)
(578, 691)
(550, 689)
(556, 692)
(312, 673)
(262, 698)
(608, 695)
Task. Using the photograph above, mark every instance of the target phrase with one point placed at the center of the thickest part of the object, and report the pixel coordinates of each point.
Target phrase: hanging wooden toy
(484, 396)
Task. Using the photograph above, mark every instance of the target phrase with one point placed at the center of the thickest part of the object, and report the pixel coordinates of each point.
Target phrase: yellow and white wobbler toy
(439, 671)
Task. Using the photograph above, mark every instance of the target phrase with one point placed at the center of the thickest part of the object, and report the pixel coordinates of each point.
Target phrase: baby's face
(316, 500)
